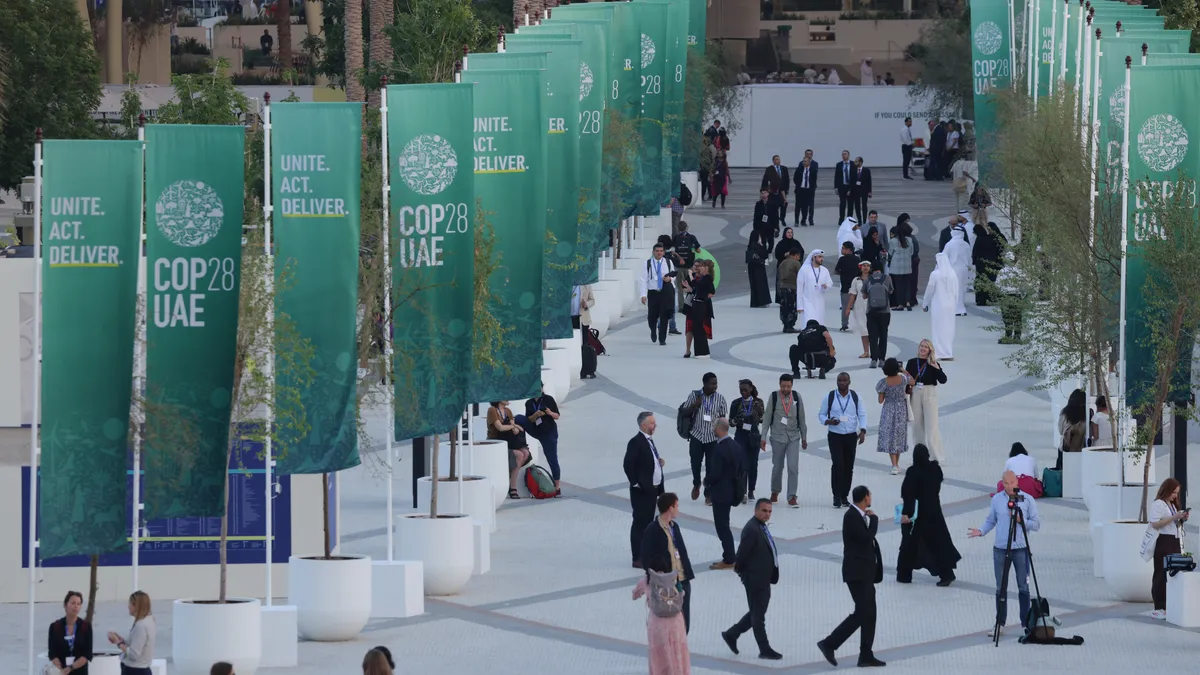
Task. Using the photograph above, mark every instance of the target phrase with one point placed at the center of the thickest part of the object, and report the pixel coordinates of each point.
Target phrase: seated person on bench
(814, 347)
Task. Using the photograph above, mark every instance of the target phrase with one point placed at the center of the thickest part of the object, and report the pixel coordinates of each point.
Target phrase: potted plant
(477, 496)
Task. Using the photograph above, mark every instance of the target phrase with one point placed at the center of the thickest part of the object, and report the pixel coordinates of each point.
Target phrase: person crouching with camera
(1005, 506)
(1166, 518)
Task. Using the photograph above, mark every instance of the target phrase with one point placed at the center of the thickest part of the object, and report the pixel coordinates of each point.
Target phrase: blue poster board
(196, 541)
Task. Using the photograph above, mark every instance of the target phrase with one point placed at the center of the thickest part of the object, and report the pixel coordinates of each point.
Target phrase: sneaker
(770, 654)
(837, 503)
(895, 471)
(731, 641)
(873, 363)
(695, 493)
(1160, 614)
(674, 332)
(792, 502)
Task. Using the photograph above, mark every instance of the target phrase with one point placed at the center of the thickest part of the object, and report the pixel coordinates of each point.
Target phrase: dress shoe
(792, 502)
(730, 640)
(846, 503)
(695, 493)
(721, 566)
(837, 503)
(945, 582)
(870, 662)
(774, 497)
(770, 654)
(827, 652)
(662, 343)
(673, 332)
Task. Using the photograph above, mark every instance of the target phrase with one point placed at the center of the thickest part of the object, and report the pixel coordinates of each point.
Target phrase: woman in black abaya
(757, 253)
(925, 542)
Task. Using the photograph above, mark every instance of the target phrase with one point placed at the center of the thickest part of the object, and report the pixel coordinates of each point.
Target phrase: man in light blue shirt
(846, 420)
(999, 519)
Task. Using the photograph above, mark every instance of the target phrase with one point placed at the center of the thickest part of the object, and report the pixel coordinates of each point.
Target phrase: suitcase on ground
(593, 338)
(589, 362)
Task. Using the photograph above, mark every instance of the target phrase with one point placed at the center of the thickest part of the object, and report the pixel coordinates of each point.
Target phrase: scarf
(676, 562)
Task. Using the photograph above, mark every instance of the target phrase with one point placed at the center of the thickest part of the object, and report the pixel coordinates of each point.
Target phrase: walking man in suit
(775, 181)
(664, 556)
(766, 216)
(860, 189)
(658, 294)
(643, 468)
(842, 183)
(862, 568)
(722, 478)
(758, 567)
(806, 189)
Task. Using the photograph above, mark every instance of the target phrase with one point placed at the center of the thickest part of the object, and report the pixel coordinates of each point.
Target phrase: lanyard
(921, 369)
(537, 404)
(816, 270)
(842, 402)
(708, 404)
(787, 406)
(747, 409)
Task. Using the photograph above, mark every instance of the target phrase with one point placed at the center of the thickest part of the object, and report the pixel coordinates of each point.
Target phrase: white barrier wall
(786, 119)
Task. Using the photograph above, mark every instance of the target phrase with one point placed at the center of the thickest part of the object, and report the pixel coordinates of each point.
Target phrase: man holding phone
(657, 285)
(846, 420)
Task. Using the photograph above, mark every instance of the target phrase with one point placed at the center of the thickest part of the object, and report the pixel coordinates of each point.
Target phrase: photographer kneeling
(1004, 506)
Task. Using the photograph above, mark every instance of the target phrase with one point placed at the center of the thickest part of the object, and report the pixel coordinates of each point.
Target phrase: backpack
(663, 594)
(812, 339)
(775, 402)
(685, 417)
(592, 338)
(877, 295)
(685, 248)
(685, 195)
(540, 482)
(829, 403)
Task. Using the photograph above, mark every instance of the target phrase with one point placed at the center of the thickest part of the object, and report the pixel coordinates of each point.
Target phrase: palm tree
(520, 7)
(383, 15)
(283, 21)
(354, 50)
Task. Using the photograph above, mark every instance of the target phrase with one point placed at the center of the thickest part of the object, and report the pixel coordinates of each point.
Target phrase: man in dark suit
(775, 181)
(657, 554)
(806, 189)
(766, 216)
(843, 180)
(721, 480)
(860, 189)
(937, 147)
(643, 468)
(758, 566)
(862, 568)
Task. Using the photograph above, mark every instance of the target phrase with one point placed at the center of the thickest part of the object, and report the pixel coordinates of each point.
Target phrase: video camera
(1015, 498)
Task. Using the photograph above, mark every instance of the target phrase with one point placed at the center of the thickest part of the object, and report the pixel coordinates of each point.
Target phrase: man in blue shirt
(846, 420)
(999, 519)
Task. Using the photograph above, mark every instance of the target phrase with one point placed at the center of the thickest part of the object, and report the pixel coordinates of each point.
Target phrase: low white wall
(786, 119)
(16, 318)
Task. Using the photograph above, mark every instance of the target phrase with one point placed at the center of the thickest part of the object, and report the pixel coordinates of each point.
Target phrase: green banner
(593, 72)
(194, 193)
(1162, 103)
(510, 183)
(433, 253)
(316, 168)
(1048, 28)
(675, 49)
(991, 69)
(90, 234)
(1154, 58)
(652, 189)
(563, 257)
(693, 113)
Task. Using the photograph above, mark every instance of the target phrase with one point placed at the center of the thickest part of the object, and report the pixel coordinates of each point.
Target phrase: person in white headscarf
(958, 254)
(811, 284)
(849, 232)
(941, 301)
(834, 77)
(866, 74)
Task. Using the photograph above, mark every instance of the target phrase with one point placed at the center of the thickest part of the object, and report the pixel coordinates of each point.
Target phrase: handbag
(913, 517)
(1148, 541)
(908, 405)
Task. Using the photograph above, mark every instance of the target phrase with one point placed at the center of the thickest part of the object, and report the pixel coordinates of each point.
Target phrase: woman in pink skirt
(667, 638)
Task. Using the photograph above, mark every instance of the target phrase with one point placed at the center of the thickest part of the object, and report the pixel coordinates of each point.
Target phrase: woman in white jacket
(941, 300)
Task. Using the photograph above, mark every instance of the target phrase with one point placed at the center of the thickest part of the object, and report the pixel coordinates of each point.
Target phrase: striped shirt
(711, 407)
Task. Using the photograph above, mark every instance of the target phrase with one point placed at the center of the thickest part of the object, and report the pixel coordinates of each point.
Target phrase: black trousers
(644, 503)
(721, 524)
(757, 597)
(687, 606)
(659, 307)
(906, 157)
(805, 201)
(703, 185)
(699, 454)
(1164, 545)
(877, 333)
(810, 360)
(842, 449)
(862, 620)
(750, 449)
(779, 201)
(845, 204)
(860, 206)
(129, 670)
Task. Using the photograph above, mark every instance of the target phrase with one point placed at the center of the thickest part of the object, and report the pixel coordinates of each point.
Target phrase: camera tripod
(1015, 519)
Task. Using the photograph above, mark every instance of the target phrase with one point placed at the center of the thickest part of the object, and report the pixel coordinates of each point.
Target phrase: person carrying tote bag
(1164, 536)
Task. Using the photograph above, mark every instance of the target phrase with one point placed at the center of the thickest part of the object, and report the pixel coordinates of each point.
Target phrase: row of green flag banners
(515, 150)
(1152, 108)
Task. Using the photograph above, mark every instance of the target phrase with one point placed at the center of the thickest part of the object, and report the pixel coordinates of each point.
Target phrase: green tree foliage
(53, 80)
(709, 94)
(944, 53)
(1181, 14)
(428, 39)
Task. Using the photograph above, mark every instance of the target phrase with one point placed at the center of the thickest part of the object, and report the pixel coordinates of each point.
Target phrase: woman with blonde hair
(926, 375)
(376, 663)
(137, 652)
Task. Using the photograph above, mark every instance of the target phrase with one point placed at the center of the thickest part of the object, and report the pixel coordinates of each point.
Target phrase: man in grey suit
(783, 422)
(758, 566)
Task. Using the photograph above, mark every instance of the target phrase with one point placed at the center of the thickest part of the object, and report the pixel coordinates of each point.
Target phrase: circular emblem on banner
(1116, 105)
(189, 213)
(428, 164)
(988, 37)
(1162, 142)
(647, 51)
(585, 80)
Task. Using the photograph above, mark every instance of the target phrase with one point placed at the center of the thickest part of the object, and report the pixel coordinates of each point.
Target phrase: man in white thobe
(811, 283)
(958, 254)
(941, 300)
(850, 231)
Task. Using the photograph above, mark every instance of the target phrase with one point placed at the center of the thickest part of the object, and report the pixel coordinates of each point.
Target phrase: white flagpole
(1079, 55)
(269, 251)
(35, 423)
(1036, 51)
(1095, 126)
(1124, 267)
(1053, 39)
(139, 364)
(1062, 48)
(1086, 97)
(389, 391)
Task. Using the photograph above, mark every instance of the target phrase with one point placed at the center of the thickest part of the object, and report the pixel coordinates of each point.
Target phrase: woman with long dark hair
(1024, 468)
(903, 265)
(700, 312)
(1168, 520)
(1072, 425)
(925, 539)
(720, 179)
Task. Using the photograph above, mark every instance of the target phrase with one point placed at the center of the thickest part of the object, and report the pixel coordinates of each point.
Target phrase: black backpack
(685, 195)
(878, 298)
(685, 417)
(685, 248)
(853, 397)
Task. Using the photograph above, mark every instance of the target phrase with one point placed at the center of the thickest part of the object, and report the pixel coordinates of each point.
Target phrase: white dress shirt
(804, 171)
(653, 270)
(906, 135)
(658, 475)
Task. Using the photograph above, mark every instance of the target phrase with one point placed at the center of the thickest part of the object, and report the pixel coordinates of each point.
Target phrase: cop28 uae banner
(315, 173)
(194, 193)
(693, 113)
(90, 235)
(991, 69)
(510, 184)
(433, 232)
(653, 190)
(1162, 127)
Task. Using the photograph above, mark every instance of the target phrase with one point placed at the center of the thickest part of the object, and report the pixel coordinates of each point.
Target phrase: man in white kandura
(849, 232)
(958, 253)
(941, 299)
(811, 284)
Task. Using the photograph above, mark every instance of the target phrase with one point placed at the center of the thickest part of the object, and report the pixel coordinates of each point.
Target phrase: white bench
(1183, 600)
(397, 589)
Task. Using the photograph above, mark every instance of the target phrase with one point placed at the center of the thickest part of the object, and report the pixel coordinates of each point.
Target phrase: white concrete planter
(559, 362)
(332, 597)
(109, 664)
(1104, 466)
(1072, 475)
(548, 386)
(1104, 510)
(628, 294)
(574, 357)
(203, 633)
(478, 500)
(446, 547)
(608, 299)
(1125, 573)
(489, 459)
